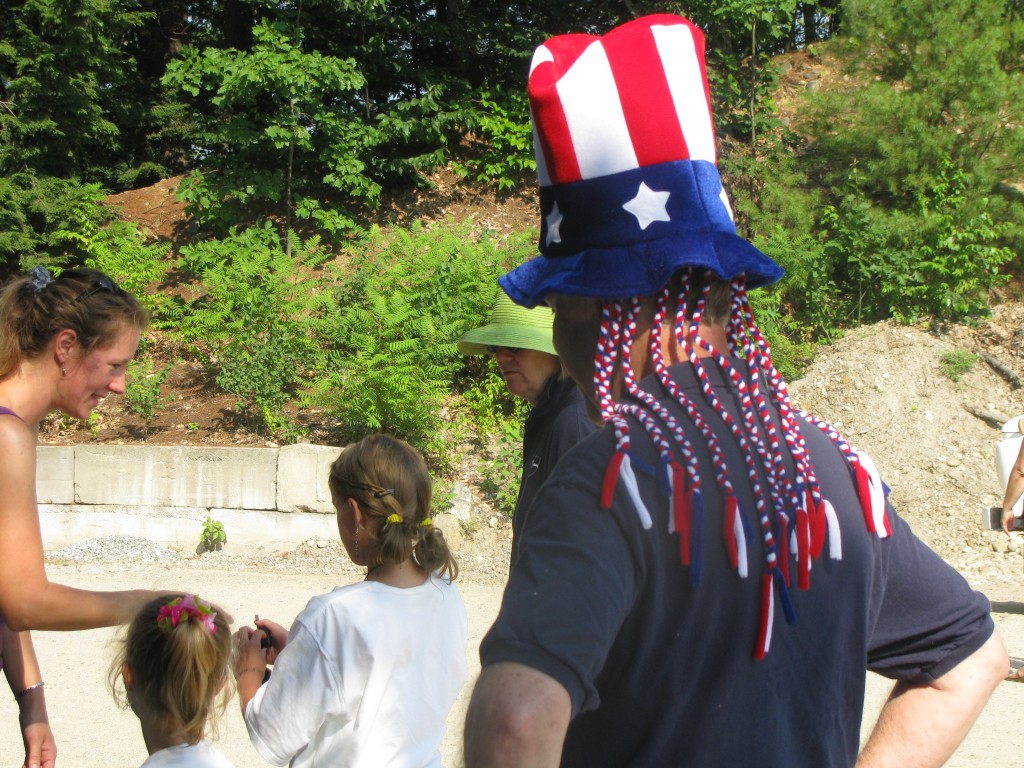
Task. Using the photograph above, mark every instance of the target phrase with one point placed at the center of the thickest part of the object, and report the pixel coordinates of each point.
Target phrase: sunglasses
(493, 350)
(104, 283)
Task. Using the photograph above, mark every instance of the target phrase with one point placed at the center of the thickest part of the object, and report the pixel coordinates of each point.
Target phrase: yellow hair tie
(426, 522)
(394, 517)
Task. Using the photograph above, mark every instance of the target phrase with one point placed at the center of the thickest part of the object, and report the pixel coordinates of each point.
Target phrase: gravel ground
(882, 386)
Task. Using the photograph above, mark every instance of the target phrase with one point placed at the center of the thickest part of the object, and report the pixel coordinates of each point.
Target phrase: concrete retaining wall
(262, 496)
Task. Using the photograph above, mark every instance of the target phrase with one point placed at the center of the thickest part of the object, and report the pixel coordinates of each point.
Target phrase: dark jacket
(557, 422)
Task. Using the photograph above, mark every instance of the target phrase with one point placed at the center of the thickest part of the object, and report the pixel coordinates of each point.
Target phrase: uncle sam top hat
(626, 159)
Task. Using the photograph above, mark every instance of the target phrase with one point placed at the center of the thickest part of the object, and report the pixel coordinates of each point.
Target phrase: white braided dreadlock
(793, 515)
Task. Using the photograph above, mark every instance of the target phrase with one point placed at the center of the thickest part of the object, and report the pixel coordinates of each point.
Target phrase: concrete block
(180, 528)
(176, 476)
(302, 472)
(55, 474)
(250, 528)
(64, 524)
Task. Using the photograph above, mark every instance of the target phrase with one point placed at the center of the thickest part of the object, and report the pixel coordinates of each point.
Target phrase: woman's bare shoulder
(16, 438)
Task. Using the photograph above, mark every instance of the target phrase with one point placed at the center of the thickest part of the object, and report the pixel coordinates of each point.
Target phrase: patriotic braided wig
(631, 198)
(792, 515)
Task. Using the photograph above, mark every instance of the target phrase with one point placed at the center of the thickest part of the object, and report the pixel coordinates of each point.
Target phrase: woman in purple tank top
(65, 343)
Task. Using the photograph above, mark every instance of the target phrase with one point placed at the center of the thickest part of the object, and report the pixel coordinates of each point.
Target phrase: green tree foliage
(62, 224)
(939, 258)
(66, 84)
(940, 82)
(274, 130)
(896, 200)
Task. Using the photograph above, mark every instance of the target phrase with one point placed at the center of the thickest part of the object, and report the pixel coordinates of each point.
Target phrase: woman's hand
(1007, 521)
(40, 746)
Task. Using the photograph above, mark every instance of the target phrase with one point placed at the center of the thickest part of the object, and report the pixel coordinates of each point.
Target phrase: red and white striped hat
(625, 149)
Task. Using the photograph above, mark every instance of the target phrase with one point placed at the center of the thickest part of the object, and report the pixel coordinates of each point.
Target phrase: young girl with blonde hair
(174, 666)
(368, 672)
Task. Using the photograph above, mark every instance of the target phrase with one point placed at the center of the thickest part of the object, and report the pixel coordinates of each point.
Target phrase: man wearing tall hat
(713, 571)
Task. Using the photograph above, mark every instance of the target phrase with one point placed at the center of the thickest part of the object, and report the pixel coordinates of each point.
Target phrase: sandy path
(92, 732)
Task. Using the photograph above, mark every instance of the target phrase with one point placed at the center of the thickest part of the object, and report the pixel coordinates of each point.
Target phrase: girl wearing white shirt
(368, 672)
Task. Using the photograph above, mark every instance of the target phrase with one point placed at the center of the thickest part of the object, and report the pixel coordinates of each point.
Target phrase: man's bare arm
(517, 718)
(920, 726)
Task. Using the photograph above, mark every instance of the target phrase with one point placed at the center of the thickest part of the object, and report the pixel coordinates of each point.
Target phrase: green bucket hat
(511, 325)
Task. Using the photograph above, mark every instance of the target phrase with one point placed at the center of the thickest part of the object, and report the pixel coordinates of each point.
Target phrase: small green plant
(213, 537)
(470, 526)
(191, 426)
(501, 475)
(94, 421)
(142, 394)
(956, 362)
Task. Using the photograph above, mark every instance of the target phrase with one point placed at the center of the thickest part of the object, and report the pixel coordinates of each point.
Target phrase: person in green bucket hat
(520, 340)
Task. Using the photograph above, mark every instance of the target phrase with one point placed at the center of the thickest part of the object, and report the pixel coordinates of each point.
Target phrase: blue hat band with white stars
(625, 234)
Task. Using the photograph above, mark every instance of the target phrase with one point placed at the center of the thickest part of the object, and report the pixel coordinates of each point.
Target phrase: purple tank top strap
(5, 410)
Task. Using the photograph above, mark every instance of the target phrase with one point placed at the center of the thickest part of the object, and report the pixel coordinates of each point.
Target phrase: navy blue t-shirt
(661, 673)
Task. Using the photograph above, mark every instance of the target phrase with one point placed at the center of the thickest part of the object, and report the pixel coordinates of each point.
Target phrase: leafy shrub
(258, 323)
(409, 296)
(503, 471)
(213, 536)
(506, 158)
(940, 258)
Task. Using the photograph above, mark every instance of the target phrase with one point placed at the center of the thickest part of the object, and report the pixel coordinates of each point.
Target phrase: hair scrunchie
(39, 278)
(183, 609)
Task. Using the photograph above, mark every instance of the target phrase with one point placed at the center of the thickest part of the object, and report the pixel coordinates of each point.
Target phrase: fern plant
(407, 298)
(258, 322)
(391, 368)
(120, 250)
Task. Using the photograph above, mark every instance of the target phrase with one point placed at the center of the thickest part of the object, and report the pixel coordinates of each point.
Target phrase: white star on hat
(554, 221)
(648, 206)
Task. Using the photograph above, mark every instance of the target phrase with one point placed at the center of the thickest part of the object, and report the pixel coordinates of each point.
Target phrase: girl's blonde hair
(36, 307)
(390, 481)
(179, 671)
